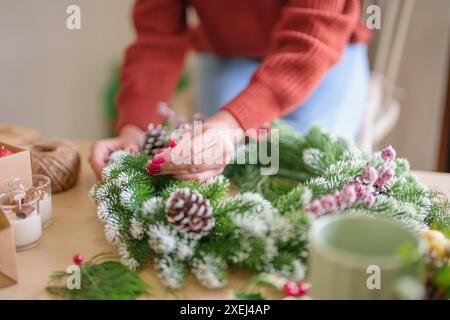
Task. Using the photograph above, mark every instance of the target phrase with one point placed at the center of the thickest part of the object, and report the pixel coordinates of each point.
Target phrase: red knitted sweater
(297, 41)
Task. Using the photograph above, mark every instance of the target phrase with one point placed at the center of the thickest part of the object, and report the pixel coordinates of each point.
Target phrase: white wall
(423, 81)
(52, 78)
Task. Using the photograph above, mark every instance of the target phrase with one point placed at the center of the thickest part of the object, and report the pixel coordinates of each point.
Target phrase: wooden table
(76, 229)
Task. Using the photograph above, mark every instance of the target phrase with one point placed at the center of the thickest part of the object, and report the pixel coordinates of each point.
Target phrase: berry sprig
(295, 289)
(362, 190)
(171, 119)
(101, 278)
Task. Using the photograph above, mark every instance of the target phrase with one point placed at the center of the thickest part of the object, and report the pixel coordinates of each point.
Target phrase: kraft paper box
(8, 265)
(17, 165)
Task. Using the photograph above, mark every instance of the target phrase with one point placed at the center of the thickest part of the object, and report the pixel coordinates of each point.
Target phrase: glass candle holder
(43, 185)
(22, 210)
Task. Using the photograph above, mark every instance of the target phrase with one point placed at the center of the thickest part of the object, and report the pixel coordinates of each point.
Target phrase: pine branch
(107, 280)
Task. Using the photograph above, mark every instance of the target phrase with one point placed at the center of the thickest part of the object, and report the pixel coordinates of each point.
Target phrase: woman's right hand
(130, 139)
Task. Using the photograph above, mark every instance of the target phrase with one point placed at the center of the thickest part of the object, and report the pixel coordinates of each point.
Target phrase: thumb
(132, 148)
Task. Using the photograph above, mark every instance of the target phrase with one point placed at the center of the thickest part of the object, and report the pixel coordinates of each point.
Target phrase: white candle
(28, 231)
(45, 209)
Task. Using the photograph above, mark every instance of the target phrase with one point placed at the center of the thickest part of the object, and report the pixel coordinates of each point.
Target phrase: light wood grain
(76, 229)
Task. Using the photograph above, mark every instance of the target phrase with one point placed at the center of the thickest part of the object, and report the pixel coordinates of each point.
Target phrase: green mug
(357, 257)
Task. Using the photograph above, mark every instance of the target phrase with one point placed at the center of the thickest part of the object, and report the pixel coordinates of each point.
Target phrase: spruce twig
(100, 280)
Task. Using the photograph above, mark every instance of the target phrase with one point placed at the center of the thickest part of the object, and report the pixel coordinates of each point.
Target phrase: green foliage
(442, 280)
(439, 209)
(262, 229)
(251, 290)
(100, 280)
(171, 270)
(249, 296)
(178, 184)
(294, 200)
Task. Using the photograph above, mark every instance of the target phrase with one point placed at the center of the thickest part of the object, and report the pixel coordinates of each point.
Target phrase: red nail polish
(154, 171)
(154, 166)
(158, 160)
(173, 143)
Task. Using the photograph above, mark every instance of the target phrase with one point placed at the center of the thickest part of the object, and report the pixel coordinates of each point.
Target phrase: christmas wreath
(189, 226)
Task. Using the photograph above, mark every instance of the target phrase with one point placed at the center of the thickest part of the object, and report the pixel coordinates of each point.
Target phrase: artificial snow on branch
(186, 225)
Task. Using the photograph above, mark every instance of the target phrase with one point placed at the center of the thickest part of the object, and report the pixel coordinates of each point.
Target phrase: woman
(302, 60)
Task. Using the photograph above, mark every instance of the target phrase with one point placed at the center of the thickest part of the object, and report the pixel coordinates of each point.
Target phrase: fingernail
(154, 167)
(155, 171)
(173, 143)
(158, 160)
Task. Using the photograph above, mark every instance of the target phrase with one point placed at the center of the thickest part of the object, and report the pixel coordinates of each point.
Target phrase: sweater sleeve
(308, 40)
(153, 62)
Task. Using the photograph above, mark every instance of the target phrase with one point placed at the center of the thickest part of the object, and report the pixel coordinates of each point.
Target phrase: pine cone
(189, 212)
(154, 138)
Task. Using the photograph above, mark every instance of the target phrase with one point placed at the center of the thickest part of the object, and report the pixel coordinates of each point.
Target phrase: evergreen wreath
(198, 227)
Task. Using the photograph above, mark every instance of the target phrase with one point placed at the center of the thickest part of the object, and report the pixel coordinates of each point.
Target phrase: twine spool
(59, 160)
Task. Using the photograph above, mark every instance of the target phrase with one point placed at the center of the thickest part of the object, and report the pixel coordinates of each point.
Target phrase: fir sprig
(101, 279)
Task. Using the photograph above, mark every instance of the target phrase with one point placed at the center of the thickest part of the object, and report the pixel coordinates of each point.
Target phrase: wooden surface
(76, 229)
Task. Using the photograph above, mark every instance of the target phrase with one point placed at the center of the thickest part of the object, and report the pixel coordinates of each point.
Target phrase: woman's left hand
(201, 153)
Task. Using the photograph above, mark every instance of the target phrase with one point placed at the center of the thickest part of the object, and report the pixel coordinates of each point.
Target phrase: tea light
(42, 185)
(22, 211)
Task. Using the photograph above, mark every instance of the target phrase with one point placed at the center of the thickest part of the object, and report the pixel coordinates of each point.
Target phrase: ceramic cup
(357, 257)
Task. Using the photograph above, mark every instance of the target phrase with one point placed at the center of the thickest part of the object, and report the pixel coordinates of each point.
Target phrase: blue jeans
(337, 104)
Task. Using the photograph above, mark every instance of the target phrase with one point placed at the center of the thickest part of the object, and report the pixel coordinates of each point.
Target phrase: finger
(132, 149)
(175, 161)
(100, 153)
(97, 169)
(190, 147)
(163, 165)
(99, 157)
(201, 177)
(156, 167)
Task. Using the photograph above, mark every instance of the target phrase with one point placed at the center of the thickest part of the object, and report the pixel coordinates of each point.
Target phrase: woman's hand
(201, 153)
(129, 139)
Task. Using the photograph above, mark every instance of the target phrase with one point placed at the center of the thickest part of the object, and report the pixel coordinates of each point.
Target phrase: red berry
(5, 152)
(292, 289)
(78, 259)
(172, 143)
(304, 288)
